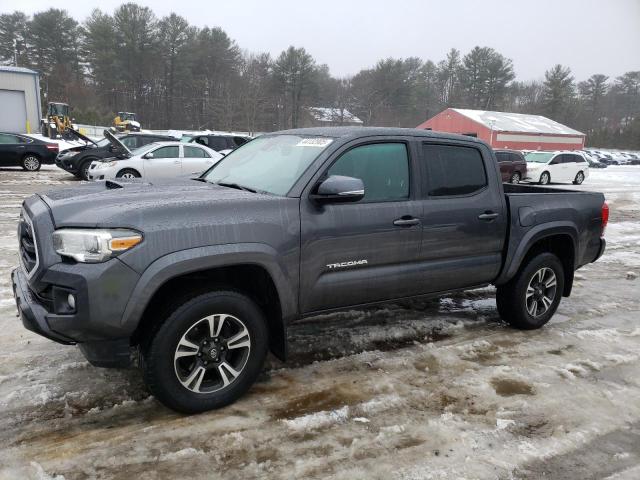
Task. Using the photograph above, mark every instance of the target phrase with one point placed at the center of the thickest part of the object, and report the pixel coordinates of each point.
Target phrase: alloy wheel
(31, 163)
(212, 353)
(541, 292)
(128, 175)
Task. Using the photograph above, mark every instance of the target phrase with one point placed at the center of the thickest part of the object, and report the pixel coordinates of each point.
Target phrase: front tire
(515, 178)
(83, 171)
(545, 178)
(30, 163)
(128, 173)
(579, 178)
(529, 300)
(207, 353)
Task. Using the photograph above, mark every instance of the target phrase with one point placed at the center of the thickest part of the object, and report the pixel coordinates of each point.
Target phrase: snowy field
(436, 389)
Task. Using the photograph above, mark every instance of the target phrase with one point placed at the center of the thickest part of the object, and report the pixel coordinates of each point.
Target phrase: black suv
(219, 142)
(77, 160)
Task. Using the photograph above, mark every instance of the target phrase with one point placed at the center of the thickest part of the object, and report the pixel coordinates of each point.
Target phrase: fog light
(71, 300)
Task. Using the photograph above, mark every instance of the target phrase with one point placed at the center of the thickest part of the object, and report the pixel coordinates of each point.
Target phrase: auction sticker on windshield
(314, 142)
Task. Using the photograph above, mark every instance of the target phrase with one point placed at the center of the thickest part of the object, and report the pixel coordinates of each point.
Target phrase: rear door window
(503, 157)
(218, 143)
(382, 167)
(452, 170)
(194, 152)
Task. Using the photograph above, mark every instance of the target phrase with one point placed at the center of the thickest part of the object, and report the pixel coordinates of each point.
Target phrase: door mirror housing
(148, 155)
(339, 189)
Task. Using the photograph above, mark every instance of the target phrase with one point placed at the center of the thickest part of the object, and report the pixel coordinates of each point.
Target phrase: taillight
(52, 146)
(605, 217)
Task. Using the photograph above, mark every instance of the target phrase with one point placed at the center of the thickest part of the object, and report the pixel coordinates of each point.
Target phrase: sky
(589, 36)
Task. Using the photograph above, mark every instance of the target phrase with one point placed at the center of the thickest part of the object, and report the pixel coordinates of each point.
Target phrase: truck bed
(534, 211)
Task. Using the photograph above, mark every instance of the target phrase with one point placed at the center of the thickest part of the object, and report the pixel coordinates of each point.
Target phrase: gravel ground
(416, 390)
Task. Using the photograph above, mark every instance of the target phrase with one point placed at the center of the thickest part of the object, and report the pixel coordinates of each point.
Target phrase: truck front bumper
(36, 317)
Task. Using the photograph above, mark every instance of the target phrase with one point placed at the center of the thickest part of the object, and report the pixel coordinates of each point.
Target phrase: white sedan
(155, 161)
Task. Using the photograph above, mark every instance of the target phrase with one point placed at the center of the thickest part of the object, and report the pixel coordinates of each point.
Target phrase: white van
(556, 167)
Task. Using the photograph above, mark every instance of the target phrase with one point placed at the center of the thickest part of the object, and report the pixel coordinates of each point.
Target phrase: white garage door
(13, 111)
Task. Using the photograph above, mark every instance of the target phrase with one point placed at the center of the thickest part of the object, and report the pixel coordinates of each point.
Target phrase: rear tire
(127, 173)
(207, 352)
(515, 178)
(579, 178)
(545, 178)
(529, 300)
(30, 163)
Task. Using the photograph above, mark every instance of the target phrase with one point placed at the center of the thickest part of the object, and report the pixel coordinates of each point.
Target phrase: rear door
(165, 163)
(354, 253)
(195, 160)
(505, 164)
(463, 218)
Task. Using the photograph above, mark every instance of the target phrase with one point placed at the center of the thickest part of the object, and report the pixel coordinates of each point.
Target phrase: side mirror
(339, 189)
(148, 155)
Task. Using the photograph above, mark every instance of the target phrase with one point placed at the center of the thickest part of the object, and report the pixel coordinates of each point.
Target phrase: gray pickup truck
(202, 276)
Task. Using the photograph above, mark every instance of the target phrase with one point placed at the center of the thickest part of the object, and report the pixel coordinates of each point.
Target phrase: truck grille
(28, 246)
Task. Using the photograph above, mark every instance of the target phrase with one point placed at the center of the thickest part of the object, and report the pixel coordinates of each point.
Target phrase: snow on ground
(411, 390)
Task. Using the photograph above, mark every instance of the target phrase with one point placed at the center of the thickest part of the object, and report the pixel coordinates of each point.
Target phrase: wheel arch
(560, 239)
(181, 273)
(128, 168)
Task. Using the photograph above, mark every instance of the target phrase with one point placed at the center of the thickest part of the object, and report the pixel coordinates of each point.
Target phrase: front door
(165, 163)
(463, 218)
(556, 169)
(354, 253)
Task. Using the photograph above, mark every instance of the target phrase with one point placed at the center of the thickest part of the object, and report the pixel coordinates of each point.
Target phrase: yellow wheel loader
(126, 122)
(57, 123)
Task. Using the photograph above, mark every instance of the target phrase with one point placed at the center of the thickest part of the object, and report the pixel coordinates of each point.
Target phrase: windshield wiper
(236, 186)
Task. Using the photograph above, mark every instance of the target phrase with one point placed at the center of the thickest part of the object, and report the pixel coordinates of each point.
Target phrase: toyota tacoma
(199, 278)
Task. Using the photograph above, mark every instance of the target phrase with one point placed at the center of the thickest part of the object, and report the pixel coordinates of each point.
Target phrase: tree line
(176, 75)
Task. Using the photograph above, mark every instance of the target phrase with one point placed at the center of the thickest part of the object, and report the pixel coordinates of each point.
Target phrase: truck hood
(140, 204)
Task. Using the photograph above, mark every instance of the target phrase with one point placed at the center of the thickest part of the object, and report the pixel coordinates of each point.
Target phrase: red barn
(507, 130)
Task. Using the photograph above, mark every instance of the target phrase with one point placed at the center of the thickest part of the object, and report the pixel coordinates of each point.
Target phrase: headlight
(93, 246)
(105, 164)
(69, 153)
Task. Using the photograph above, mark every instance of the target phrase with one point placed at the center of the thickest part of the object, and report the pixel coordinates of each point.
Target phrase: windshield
(269, 164)
(103, 142)
(58, 109)
(538, 157)
(128, 116)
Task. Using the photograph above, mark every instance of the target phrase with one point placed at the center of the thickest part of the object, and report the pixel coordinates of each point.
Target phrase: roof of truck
(355, 132)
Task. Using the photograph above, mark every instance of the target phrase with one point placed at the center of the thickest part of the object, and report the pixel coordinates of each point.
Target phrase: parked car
(77, 160)
(513, 166)
(592, 160)
(218, 142)
(154, 161)
(202, 276)
(26, 152)
(557, 167)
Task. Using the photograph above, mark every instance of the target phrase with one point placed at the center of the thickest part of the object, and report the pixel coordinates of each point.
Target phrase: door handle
(176, 161)
(488, 216)
(406, 221)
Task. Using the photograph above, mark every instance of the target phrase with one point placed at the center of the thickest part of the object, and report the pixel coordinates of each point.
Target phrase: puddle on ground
(330, 399)
(507, 387)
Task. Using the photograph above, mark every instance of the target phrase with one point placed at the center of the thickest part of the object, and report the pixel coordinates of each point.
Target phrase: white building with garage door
(20, 110)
